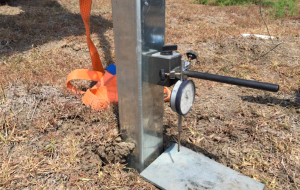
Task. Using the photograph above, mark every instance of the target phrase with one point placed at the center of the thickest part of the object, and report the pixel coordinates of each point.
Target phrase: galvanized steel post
(139, 31)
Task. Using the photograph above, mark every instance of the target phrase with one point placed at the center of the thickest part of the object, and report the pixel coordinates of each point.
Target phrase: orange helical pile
(105, 91)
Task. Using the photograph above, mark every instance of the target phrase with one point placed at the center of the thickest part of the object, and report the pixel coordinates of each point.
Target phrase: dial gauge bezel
(176, 96)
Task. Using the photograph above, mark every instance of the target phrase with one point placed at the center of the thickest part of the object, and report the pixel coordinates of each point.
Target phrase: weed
(3, 96)
(280, 8)
(2, 138)
(284, 7)
(4, 59)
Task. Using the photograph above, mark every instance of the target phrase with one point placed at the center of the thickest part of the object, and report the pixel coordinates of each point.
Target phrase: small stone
(76, 47)
(217, 138)
(232, 152)
(246, 150)
(131, 146)
(118, 139)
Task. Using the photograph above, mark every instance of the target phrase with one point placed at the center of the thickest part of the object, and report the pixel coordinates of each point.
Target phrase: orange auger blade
(105, 91)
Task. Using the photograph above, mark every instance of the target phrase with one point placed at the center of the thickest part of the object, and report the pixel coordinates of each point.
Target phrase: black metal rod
(234, 81)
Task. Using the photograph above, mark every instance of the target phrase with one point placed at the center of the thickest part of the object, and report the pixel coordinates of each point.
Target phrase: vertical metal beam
(139, 30)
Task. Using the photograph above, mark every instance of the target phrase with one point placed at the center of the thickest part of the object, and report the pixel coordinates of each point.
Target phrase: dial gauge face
(182, 97)
(187, 98)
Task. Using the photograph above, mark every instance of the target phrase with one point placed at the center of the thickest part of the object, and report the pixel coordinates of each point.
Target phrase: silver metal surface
(139, 30)
(172, 75)
(179, 131)
(189, 170)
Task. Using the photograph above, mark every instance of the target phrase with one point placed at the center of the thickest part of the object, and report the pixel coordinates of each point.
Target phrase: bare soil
(50, 140)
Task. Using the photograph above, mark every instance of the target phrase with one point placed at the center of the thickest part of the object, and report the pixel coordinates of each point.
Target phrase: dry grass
(49, 140)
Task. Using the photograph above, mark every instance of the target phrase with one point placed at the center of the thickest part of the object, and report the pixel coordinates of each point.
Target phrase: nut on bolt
(172, 75)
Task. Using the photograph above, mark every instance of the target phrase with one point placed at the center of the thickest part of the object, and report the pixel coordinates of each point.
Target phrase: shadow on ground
(268, 100)
(169, 140)
(41, 21)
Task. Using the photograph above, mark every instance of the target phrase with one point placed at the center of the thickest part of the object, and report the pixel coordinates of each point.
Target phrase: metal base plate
(187, 169)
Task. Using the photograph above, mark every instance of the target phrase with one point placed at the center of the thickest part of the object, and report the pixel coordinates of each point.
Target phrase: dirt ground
(50, 140)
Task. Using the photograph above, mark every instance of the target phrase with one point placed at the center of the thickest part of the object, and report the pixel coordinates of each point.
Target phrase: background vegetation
(279, 8)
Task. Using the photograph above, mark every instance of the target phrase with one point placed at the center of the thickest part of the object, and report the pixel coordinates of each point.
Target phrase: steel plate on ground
(187, 169)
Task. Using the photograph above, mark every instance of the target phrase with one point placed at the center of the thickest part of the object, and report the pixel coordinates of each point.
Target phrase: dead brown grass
(49, 140)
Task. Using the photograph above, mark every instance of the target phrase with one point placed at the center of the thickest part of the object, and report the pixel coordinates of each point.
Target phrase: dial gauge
(183, 96)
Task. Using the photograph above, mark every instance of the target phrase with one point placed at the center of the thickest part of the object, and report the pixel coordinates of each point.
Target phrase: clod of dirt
(115, 152)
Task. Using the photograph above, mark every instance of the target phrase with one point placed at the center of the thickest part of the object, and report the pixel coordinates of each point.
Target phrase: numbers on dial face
(187, 98)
